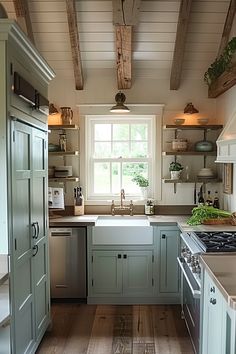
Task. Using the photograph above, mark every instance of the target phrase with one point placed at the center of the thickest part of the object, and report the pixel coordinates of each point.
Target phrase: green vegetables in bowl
(201, 213)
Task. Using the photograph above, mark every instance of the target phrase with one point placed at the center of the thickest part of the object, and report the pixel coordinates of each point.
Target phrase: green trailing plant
(221, 64)
(140, 180)
(175, 166)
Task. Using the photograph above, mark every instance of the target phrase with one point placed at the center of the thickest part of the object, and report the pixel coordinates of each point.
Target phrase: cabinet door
(23, 293)
(213, 318)
(169, 271)
(40, 235)
(106, 272)
(138, 273)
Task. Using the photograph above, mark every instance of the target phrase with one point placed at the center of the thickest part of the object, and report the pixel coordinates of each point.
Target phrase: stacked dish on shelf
(206, 173)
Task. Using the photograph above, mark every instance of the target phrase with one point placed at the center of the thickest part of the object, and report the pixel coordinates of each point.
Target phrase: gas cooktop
(220, 241)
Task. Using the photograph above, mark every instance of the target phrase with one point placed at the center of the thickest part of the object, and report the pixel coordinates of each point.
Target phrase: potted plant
(175, 169)
(142, 182)
(222, 63)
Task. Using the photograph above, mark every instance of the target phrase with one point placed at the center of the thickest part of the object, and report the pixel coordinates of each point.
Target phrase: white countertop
(221, 268)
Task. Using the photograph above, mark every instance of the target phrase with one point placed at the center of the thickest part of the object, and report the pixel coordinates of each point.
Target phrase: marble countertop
(221, 268)
(90, 220)
(158, 220)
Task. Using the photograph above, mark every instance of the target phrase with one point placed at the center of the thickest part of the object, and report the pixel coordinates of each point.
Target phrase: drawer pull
(212, 301)
(212, 289)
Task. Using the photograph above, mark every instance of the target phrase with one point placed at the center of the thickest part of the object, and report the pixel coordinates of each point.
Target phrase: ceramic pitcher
(66, 115)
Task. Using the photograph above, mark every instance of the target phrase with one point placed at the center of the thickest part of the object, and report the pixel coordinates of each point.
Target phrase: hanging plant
(221, 64)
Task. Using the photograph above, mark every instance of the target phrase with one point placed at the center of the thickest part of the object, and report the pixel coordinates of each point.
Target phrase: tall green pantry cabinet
(23, 148)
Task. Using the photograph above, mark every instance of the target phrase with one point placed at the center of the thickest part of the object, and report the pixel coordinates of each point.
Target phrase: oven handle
(196, 293)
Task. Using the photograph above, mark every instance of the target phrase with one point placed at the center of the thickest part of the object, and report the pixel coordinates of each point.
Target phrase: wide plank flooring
(108, 329)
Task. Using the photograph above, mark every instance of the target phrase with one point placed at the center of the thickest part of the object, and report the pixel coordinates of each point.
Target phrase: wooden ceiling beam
(125, 12)
(74, 42)
(125, 15)
(227, 26)
(181, 33)
(124, 56)
(23, 17)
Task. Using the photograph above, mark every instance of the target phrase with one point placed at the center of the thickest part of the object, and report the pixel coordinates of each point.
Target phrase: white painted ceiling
(153, 37)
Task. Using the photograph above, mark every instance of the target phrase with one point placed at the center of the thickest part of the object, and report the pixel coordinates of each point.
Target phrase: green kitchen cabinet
(106, 272)
(23, 186)
(168, 248)
(213, 318)
(30, 236)
(122, 272)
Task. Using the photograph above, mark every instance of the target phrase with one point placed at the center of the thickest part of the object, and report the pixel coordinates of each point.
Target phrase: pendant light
(190, 109)
(120, 107)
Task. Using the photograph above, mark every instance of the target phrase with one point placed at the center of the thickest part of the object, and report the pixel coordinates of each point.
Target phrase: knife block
(78, 209)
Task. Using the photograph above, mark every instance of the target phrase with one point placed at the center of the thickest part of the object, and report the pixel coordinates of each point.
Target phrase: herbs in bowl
(203, 213)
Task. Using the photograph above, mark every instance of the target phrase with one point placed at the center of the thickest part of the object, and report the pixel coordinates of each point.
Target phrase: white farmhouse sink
(122, 230)
(122, 221)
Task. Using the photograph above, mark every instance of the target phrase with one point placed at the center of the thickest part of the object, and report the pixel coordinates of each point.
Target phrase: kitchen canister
(204, 146)
(179, 144)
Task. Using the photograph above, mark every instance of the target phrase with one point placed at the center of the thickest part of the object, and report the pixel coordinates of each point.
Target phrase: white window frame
(89, 138)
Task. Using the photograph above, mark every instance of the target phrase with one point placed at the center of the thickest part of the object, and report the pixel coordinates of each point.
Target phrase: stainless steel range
(194, 244)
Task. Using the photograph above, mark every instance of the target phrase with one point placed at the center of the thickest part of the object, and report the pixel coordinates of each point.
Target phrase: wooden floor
(107, 329)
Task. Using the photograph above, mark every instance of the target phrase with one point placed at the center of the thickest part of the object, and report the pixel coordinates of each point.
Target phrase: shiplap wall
(153, 38)
(153, 45)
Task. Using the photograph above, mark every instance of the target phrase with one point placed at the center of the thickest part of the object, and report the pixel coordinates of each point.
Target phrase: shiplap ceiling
(153, 38)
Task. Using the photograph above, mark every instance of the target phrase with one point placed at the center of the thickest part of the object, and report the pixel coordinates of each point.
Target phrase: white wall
(149, 87)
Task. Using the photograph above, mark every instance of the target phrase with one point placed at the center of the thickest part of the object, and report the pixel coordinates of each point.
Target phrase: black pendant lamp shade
(190, 109)
(120, 107)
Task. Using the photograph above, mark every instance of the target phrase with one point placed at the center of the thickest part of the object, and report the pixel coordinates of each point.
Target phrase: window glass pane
(121, 132)
(102, 150)
(128, 172)
(139, 131)
(116, 177)
(102, 132)
(102, 177)
(121, 149)
(139, 149)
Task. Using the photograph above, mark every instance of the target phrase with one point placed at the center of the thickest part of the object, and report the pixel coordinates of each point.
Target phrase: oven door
(190, 301)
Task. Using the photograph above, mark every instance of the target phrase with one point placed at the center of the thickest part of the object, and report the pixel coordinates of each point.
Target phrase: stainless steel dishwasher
(68, 262)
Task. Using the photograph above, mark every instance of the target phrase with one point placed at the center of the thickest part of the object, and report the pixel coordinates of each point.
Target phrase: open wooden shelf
(63, 153)
(62, 127)
(64, 179)
(197, 180)
(223, 83)
(180, 153)
(194, 127)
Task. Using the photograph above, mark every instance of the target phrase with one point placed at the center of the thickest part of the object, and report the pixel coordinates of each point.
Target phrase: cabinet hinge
(11, 69)
(92, 282)
(13, 136)
(153, 258)
(15, 244)
(152, 282)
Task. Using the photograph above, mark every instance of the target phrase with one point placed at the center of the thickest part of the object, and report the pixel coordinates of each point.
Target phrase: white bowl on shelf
(202, 121)
(179, 121)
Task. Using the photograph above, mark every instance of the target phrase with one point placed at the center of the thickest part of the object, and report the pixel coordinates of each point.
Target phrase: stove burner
(217, 241)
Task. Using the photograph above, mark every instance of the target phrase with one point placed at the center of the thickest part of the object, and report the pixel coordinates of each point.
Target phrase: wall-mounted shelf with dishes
(182, 148)
(63, 147)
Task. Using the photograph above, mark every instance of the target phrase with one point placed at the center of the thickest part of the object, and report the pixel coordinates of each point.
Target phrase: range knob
(189, 258)
(198, 269)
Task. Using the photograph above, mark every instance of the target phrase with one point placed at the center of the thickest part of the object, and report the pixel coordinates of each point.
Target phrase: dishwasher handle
(61, 232)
